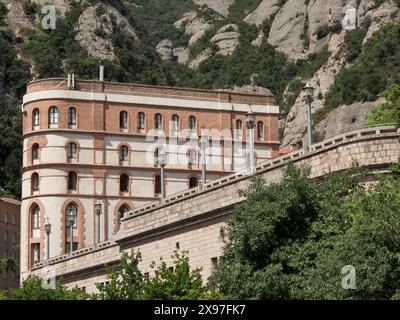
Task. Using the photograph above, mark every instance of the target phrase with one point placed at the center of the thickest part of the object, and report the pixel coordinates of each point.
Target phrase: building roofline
(152, 86)
(11, 200)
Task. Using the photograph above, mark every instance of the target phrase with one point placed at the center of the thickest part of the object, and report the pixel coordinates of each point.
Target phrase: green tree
(177, 282)
(290, 240)
(32, 289)
(388, 112)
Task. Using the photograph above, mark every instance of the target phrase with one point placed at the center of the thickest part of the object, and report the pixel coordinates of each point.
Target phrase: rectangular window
(67, 247)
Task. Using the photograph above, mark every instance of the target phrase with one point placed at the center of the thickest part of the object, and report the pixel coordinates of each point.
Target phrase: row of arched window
(141, 121)
(239, 129)
(71, 151)
(53, 116)
(157, 121)
(72, 182)
(123, 153)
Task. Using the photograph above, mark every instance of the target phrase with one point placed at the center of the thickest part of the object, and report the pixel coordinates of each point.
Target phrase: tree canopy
(290, 240)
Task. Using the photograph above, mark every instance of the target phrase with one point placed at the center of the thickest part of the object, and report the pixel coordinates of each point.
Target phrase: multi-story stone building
(94, 142)
(9, 240)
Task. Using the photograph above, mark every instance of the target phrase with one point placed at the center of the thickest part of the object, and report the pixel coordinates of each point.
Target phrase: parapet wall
(153, 91)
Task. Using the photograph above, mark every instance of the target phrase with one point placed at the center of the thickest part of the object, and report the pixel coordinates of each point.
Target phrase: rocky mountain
(346, 48)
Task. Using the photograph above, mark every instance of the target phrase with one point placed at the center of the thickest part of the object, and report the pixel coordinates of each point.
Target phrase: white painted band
(148, 100)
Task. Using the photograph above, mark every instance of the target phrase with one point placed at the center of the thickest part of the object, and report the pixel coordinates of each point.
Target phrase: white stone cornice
(147, 100)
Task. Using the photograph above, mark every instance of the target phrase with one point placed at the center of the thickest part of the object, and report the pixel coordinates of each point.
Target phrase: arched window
(157, 184)
(192, 124)
(35, 182)
(174, 123)
(158, 121)
(123, 183)
(35, 217)
(260, 130)
(123, 153)
(239, 126)
(192, 157)
(53, 115)
(123, 120)
(121, 212)
(71, 151)
(140, 121)
(72, 180)
(193, 182)
(35, 117)
(35, 151)
(71, 116)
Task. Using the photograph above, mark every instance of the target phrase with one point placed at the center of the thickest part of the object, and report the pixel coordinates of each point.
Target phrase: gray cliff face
(298, 28)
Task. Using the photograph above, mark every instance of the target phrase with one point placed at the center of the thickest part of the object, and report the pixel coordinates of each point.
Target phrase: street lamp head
(309, 89)
(162, 158)
(47, 226)
(250, 119)
(71, 216)
(97, 207)
(203, 139)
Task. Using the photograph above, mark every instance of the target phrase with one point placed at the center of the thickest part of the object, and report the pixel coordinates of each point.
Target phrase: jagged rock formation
(227, 39)
(220, 6)
(263, 12)
(347, 118)
(287, 29)
(253, 89)
(323, 79)
(95, 25)
(322, 14)
(181, 55)
(195, 26)
(385, 13)
(16, 19)
(165, 49)
(204, 55)
(257, 42)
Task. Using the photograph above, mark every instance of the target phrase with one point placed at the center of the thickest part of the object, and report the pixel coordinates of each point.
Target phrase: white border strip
(147, 100)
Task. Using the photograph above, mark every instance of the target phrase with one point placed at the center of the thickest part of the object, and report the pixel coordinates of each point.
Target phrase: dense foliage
(373, 71)
(10, 146)
(33, 289)
(389, 112)
(177, 282)
(126, 282)
(290, 240)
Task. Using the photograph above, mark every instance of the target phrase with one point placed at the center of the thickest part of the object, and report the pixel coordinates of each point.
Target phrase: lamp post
(71, 222)
(250, 131)
(97, 209)
(162, 161)
(47, 228)
(309, 90)
(203, 141)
